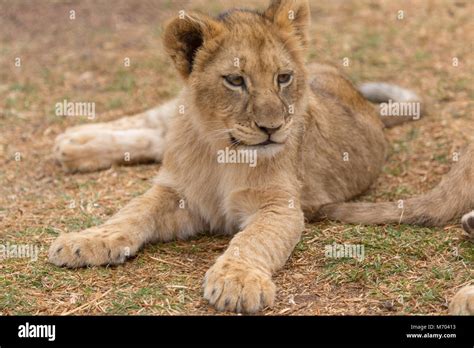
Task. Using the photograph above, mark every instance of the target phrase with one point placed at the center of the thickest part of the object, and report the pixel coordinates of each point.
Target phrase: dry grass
(407, 270)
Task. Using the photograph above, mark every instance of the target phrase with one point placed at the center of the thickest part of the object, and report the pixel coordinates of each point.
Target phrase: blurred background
(75, 50)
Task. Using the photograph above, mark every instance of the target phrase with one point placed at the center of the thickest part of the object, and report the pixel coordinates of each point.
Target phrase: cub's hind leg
(134, 139)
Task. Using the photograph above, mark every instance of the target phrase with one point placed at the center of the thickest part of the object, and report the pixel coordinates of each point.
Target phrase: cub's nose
(269, 130)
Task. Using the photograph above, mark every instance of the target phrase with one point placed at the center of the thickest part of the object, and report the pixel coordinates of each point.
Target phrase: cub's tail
(453, 197)
(400, 104)
(468, 223)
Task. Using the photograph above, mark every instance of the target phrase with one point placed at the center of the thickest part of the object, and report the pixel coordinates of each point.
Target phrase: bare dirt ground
(406, 270)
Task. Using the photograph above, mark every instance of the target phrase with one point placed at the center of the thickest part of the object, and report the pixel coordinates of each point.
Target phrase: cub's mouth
(267, 142)
(236, 142)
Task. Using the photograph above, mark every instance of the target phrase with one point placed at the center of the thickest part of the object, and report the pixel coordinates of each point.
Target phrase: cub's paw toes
(80, 152)
(90, 248)
(463, 302)
(232, 285)
(468, 223)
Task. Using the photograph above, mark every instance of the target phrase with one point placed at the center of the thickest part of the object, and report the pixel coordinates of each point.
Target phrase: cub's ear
(293, 16)
(185, 35)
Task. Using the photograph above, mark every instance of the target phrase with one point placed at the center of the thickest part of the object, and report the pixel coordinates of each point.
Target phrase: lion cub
(253, 145)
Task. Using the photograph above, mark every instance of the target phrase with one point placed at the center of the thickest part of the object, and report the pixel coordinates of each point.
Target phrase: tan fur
(318, 122)
(453, 196)
(463, 302)
(129, 140)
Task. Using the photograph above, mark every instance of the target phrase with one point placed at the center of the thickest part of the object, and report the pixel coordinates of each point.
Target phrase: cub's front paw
(463, 302)
(232, 285)
(94, 247)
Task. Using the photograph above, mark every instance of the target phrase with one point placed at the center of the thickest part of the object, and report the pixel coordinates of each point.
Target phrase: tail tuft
(380, 92)
(468, 223)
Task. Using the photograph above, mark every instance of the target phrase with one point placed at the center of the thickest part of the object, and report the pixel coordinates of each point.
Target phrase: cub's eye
(235, 81)
(285, 79)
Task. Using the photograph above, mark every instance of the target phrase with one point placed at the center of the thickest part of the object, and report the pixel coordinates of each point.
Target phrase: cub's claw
(232, 285)
(94, 247)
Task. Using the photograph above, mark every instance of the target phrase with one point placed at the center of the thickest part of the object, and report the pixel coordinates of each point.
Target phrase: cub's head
(245, 71)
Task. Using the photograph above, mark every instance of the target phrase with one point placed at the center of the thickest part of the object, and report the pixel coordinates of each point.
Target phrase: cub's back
(344, 146)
